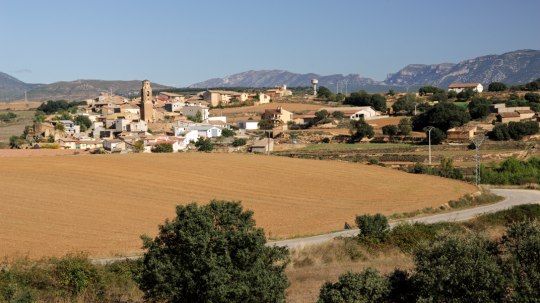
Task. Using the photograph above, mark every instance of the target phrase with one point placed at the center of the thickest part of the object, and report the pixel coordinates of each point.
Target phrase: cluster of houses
(117, 123)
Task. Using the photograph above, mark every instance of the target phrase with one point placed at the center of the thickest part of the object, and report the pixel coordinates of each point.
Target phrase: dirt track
(102, 203)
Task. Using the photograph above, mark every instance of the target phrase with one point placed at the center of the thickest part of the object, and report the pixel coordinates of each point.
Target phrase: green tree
(359, 129)
(451, 94)
(466, 94)
(522, 242)
(239, 142)
(325, 93)
(212, 253)
(362, 98)
(532, 97)
(226, 132)
(162, 148)
(390, 130)
(478, 108)
(441, 97)
(499, 133)
(405, 127)
(204, 144)
(429, 90)
(367, 286)
(443, 116)
(266, 124)
(437, 136)
(338, 115)
(497, 87)
(405, 104)
(372, 228)
(459, 269)
(84, 122)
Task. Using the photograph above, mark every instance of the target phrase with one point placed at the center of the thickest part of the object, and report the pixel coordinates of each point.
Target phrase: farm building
(459, 87)
(354, 113)
(278, 116)
(461, 134)
(248, 125)
(508, 117)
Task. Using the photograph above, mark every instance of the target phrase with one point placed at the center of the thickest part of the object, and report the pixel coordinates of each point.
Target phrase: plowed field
(103, 203)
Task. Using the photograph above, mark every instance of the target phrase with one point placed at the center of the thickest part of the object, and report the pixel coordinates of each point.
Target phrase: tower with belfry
(147, 107)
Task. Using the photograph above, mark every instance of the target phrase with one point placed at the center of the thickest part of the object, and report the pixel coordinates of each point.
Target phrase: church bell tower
(147, 107)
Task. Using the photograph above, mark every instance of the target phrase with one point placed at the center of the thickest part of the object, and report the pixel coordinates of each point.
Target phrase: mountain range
(515, 67)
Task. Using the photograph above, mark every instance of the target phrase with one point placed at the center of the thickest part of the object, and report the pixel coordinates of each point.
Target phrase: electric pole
(477, 141)
(429, 129)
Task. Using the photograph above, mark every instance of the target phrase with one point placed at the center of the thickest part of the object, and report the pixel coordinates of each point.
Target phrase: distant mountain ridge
(515, 67)
(12, 88)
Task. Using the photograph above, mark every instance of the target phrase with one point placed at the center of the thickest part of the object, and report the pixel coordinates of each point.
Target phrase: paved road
(513, 197)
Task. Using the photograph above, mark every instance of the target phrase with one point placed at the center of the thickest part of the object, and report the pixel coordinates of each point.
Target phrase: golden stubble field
(101, 204)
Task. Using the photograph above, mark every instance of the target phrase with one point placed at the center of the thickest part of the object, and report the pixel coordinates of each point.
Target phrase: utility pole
(429, 129)
(477, 141)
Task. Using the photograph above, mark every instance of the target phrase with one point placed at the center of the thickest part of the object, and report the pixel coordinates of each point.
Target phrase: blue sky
(182, 42)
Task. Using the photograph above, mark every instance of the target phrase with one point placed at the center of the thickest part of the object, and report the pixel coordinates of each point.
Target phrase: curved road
(512, 197)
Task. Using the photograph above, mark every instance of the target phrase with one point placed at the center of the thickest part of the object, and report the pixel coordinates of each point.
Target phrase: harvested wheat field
(103, 203)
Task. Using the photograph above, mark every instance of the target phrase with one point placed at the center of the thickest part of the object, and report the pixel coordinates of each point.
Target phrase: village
(116, 124)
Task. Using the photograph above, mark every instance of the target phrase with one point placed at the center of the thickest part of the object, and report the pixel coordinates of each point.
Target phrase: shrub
(204, 144)
(367, 286)
(373, 228)
(239, 142)
(227, 132)
(162, 148)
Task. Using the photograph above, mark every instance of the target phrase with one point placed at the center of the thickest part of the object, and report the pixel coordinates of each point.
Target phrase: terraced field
(103, 203)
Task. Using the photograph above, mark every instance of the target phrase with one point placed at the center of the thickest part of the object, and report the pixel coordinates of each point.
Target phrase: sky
(181, 42)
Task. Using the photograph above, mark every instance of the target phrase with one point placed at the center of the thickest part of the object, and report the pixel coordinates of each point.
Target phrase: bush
(360, 129)
(239, 142)
(367, 286)
(532, 97)
(373, 228)
(390, 130)
(204, 144)
(162, 148)
(497, 87)
(227, 133)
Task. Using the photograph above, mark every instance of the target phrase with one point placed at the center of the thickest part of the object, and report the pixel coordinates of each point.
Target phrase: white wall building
(459, 87)
(248, 125)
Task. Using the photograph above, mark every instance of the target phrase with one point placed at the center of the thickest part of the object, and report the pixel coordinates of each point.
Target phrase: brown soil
(103, 203)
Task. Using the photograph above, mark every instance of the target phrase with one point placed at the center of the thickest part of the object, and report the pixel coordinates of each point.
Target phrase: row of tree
(452, 268)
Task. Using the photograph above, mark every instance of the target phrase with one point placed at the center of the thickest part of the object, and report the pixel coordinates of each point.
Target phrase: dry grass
(19, 105)
(313, 265)
(16, 127)
(103, 203)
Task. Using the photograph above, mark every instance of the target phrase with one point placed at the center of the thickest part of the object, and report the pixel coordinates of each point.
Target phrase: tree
(338, 115)
(532, 97)
(204, 144)
(239, 142)
(7, 117)
(321, 116)
(227, 133)
(390, 130)
(499, 133)
(162, 148)
(405, 104)
(497, 87)
(441, 97)
(212, 253)
(362, 98)
(364, 287)
(405, 127)
(138, 146)
(359, 129)
(266, 124)
(372, 227)
(522, 241)
(466, 94)
(443, 116)
(452, 94)
(459, 269)
(325, 93)
(437, 136)
(478, 108)
(429, 90)
(83, 121)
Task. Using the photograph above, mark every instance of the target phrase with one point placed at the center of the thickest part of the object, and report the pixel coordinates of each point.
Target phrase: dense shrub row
(512, 172)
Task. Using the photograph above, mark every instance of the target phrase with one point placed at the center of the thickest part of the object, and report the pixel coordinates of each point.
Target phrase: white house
(207, 131)
(190, 135)
(264, 98)
(70, 128)
(174, 106)
(459, 87)
(354, 113)
(248, 125)
(114, 145)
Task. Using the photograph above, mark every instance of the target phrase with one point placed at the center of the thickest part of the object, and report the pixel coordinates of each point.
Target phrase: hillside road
(512, 197)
